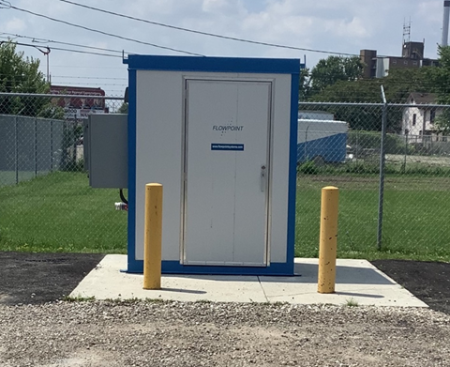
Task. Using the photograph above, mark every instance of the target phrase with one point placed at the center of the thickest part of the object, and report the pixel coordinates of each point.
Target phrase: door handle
(263, 178)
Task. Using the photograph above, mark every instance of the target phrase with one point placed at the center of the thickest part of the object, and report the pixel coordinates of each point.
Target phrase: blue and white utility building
(220, 135)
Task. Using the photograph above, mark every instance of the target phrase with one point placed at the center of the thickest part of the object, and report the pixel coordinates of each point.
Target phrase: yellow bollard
(328, 239)
(153, 236)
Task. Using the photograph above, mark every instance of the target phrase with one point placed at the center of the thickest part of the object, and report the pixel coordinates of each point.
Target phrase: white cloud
(14, 25)
(344, 26)
(430, 11)
(354, 28)
(221, 7)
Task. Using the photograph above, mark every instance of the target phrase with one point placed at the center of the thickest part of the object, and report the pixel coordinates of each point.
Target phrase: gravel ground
(204, 334)
(34, 332)
(439, 160)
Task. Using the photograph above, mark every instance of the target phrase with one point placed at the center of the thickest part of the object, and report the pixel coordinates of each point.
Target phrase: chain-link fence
(40, 134)
(397, 201)
(45, 198)
(29, 146)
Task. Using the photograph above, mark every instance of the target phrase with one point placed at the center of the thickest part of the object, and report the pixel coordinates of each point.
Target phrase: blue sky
(343, 26)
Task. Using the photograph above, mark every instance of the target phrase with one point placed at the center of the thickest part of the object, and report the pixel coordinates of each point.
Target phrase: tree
(400, 83)
(441, 79)
(124, 108)
(20, 74)
(397, 86)
(441, 75)
(333, 69)
(362, 91)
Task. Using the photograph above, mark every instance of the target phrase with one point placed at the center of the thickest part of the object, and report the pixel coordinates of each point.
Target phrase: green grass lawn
(61, 213)
(416, 216)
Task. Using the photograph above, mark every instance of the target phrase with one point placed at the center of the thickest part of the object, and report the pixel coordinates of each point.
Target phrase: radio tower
(406, 31)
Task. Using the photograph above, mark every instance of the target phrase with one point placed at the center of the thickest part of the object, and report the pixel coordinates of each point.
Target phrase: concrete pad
(356, 280)
(107, 282)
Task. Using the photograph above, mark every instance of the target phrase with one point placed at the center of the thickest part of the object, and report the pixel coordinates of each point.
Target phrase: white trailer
(322, 141)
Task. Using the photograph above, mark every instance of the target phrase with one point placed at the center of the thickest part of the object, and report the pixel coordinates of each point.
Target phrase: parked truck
(321, 141)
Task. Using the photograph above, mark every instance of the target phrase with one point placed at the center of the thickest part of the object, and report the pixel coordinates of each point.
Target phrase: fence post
(74, 156)
(16, 149)
(357, 145)
(382, 164)
(406, 152)
(35, 148)
(51, 146)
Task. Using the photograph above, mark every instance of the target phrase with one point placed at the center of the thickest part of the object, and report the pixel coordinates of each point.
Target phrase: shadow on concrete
(304, 273)
(308, 273)
(350, 294)
(179, 290)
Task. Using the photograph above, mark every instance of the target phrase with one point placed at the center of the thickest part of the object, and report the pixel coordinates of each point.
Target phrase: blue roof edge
(214, 64)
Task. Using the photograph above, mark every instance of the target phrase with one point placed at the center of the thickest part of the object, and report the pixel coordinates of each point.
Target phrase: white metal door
(226, 173)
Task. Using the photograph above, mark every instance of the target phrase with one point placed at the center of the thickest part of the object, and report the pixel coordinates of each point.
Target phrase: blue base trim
(174, 267)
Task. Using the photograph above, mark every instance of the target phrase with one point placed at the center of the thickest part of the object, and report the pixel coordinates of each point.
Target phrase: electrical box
(106, 150)
(220, 135)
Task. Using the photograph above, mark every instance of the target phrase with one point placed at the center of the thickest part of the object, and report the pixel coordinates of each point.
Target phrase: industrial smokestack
(445, 24)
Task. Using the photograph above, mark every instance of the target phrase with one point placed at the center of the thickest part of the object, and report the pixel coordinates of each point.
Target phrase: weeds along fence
(391, 163)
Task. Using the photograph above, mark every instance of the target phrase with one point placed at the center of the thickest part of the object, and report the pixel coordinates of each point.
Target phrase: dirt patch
(428, 281)
(38, 278)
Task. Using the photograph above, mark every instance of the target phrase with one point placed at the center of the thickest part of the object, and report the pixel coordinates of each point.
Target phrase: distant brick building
(79, 107)
(378, 66)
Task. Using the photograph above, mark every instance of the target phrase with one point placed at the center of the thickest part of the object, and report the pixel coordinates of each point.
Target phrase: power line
(9, 6)
(84, 52)
(86, 77)
(87, 67)
(206, 33)
(43, 40)
(76, 51)
(97, 84)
